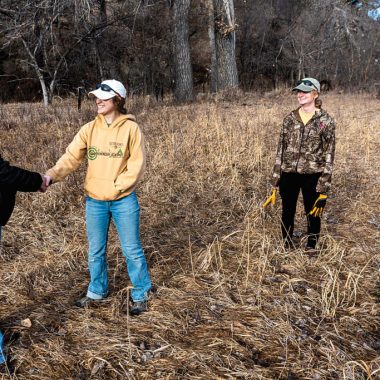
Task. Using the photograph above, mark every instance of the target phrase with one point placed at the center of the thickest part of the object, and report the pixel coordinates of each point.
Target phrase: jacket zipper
(303, 133)
(299, 151)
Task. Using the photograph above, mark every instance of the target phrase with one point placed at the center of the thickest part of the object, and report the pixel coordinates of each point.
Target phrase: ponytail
(120, 104)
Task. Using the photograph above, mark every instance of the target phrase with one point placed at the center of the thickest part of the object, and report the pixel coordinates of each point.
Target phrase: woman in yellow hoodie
(114, 147)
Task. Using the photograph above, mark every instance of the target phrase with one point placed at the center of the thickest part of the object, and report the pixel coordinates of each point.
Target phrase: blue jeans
(2, 357)
(125, 213)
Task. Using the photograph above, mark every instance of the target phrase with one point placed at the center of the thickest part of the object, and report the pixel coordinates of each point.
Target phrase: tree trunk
(183, 72)
(211, 35)
(103, 12)
(39, 73)
(300, 68)
(99, 60)
(102, 18)
(45, 93)
(276, 78)
(225, 26)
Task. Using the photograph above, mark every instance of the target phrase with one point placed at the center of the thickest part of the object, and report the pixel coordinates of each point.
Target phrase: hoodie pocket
(101, 188)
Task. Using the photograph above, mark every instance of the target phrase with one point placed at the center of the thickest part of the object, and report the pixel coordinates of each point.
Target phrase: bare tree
(333, 45)
(54, 46)
(35, 24)
(211, 35)
(103, 21)
(48, 32)
(225, 41)
(183, 72)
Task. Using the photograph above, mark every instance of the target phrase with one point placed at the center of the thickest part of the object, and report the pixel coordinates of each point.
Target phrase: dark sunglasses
(105, 87)
(307, 83)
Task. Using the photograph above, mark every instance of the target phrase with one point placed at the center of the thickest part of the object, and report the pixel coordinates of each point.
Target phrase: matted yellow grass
(228, 301)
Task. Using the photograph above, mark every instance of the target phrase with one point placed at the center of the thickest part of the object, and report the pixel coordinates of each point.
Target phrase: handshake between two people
(46, 182)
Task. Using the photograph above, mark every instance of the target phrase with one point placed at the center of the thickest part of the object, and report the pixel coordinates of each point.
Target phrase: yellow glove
(319, 206)
(271, 199)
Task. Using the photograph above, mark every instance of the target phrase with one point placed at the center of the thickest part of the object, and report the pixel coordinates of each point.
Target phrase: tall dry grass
(229, 302)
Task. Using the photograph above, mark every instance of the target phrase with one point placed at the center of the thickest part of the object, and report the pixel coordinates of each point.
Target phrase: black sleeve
(12, 177)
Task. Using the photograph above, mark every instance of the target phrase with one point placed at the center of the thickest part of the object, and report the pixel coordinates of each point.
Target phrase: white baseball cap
(108, 89)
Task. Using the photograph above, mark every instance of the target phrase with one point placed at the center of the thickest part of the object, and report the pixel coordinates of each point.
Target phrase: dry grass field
(228, 302)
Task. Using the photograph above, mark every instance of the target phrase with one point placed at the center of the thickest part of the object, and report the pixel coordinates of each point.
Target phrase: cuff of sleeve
(322, 189)
(274, 182)
(51, 173)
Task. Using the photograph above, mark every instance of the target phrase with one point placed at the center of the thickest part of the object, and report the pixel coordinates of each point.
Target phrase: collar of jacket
(296, 114)
(119, 121)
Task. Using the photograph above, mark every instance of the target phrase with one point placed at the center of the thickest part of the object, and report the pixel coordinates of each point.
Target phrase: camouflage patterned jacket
(306, 149)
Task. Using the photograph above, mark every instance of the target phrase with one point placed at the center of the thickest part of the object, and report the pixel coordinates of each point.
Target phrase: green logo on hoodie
(92, 153)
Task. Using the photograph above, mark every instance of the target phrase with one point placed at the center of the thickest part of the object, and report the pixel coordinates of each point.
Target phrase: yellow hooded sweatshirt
(115, 155)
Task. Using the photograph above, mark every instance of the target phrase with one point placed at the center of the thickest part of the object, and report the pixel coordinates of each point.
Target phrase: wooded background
(183, 47)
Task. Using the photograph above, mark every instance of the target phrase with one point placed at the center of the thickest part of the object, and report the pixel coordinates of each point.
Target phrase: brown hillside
(229, 302)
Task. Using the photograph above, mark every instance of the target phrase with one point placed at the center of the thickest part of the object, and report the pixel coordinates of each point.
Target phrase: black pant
(290, 186)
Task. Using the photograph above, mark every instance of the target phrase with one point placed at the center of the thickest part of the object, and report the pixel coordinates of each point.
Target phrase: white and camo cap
(108, 89)
(307, 85)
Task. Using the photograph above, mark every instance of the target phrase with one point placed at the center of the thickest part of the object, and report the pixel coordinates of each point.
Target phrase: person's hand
(271, 199)
(46, 182)
(319, 206)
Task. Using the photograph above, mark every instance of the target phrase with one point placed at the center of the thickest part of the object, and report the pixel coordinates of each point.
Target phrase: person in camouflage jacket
(304, 160)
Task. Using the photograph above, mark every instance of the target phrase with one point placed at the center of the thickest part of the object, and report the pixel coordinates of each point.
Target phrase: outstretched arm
(18, 179)
(72, 158)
